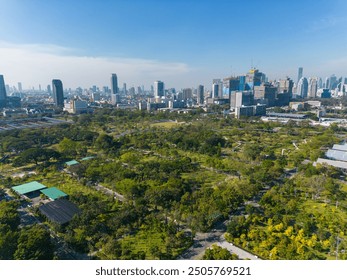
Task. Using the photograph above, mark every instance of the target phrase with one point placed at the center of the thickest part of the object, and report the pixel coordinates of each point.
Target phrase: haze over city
(183, 43)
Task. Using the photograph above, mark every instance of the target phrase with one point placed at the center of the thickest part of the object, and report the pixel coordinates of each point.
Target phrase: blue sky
(182, 42)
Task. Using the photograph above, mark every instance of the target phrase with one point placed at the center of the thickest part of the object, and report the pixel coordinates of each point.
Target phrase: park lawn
(167, 125)
(206, 177)
(149, 241)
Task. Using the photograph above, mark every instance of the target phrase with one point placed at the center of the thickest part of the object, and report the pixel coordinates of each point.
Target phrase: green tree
(68, 147)
(8, 242)
(9, 214)
(218, 253)
(34, 243)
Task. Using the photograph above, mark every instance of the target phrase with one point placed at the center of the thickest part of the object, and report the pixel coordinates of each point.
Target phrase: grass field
(168, 125)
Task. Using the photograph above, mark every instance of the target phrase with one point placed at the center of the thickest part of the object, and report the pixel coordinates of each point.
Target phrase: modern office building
(215, 90)
(332, 82)
(265, 94)
(187, 93)
(231, 84)
(200, 95)
(254, 78)
(124, 88)
(114, 84)
(115, 98)
(58, 93)
(302, 88)
(244, 98)
(300, 73)
(20, 88)
(286, 86)
(312, 87)
(159, 89)
(3, 95)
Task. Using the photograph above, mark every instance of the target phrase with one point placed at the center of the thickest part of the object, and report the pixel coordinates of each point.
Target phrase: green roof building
(87, 158)
(28, 187)
(71, 162)
(53, 193)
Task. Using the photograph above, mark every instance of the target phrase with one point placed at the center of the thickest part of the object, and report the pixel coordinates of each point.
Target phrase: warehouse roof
(71, 162)
(53, 193)
(335, 163)
(28, 187)
(60, 211)
(87, 158)
(340, 147)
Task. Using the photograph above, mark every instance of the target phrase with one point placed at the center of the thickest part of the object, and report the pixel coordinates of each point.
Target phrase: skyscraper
(20, 89)
(300, 73)
(114, 84)
(218, 85)
(302, 88)
(58, 93)
(200, 94)
(332, 82)
(254, 78)
(3, 96)
(312, 87)
(215, 90)
(124, 88)
(159, 89)
(286, 86)
(115, 97)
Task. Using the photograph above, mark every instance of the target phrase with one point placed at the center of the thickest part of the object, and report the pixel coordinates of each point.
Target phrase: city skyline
(182, 43)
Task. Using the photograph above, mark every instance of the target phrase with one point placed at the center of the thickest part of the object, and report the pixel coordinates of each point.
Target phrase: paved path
(110, 192)
(234, 249)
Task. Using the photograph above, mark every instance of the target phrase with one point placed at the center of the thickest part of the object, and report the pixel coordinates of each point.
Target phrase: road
(234, 249)
(110, 192)
(202, 241)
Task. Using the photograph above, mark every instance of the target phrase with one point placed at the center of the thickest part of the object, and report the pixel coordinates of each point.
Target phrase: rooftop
(59, 211)
(28, 187)
(53, 193)
(71, 162)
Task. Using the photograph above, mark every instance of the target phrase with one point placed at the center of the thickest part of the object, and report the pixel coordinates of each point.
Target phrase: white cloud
(39, 64)
(326, 23)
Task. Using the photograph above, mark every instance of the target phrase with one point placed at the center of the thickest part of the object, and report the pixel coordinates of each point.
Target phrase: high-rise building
(159, 89)
(300, 73)
(58, 93)
(332, 82)
(20, 89)
(187, 93)
(200, 95)
(219, 88)
(312, 87)
(115, 97)
(302, 88)
(49, 89)
(244, 98)
(105, 89)
(124, 88)
(254, 78)
(3, 95)
(114, 84)
(286, 86)
(215, 90)
(265, 94)
(232, 84)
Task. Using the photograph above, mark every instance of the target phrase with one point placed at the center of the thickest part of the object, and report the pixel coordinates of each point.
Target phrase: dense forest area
(176, 175)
